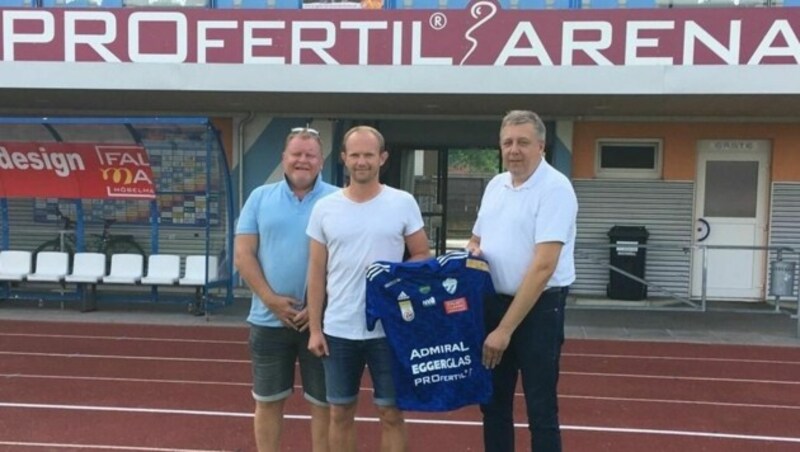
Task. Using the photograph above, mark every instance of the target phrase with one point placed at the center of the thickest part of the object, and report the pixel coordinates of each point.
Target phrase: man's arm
(317, 280)
(246, 261)
(545, 259)
(417, 244)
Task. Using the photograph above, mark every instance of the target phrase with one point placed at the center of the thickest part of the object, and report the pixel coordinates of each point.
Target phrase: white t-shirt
(512, 220)
(356, 235)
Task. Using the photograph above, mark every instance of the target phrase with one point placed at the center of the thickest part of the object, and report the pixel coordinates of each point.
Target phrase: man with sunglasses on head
(363, 223)
(271, 255)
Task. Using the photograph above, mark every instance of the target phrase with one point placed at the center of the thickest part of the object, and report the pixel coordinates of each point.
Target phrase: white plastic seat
(87, 268)
(163, 269)
(125, 269)
(51, 266)
(14, 265)
(195, 272)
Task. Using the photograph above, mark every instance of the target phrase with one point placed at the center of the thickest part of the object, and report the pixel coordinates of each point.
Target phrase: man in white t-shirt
(526, 231)
(349, 230)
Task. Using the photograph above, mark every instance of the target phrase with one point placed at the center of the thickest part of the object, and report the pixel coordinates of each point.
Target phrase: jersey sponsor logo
(429, 302)
(478, 264)
(391, 283)
(406, 310)
(424, 290)
(456, 305)
(450, 285)
(438, 349)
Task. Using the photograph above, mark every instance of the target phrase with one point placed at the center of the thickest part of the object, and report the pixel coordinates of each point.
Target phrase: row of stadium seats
(89, 270)
(53, 266)
(393, 4)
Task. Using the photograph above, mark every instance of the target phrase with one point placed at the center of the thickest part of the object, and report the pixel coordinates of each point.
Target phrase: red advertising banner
(74, 170)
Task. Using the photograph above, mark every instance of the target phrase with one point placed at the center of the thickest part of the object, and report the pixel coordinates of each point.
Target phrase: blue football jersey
(432, 313)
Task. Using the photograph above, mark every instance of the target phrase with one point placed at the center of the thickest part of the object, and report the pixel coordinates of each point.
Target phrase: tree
(474, 161)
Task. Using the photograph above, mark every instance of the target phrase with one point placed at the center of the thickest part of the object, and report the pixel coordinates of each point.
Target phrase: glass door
(468, 172)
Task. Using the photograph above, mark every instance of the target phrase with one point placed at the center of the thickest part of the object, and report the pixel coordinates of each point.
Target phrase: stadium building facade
(679, 117)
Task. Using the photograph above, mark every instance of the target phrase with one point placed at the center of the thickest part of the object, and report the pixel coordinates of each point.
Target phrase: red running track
(120, 387)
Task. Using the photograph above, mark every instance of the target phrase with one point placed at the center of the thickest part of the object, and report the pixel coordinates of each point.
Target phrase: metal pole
(704, 279)
(778, 258)
(796, 270)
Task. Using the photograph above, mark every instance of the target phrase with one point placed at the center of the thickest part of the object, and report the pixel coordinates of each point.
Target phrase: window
(628, 159)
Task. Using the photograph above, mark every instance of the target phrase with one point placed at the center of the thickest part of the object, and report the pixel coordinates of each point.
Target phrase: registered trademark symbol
(438, 21)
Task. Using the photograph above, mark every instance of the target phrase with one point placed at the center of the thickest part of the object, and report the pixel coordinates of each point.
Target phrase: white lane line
(123, 338)
(298, 387)
(247, 362)
(232, 342)
(421, 421)
(123, 409)
(126, 380)
(99, 447)
(675, 401)
(147, 358)
(365, 389)
(647, 431)
(680, 378)
(681, 358)
(570, 354)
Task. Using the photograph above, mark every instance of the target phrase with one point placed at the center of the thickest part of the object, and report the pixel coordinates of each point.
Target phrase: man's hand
(284, 309)
(493, 347)
(474, 246)
(317, 345)
(473, 250)
(300, 320)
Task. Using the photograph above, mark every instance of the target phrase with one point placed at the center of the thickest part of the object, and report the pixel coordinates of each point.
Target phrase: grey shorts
(274, 352)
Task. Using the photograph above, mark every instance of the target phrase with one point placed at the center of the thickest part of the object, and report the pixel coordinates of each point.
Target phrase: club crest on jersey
(450, 285)
(428, 302)
(424, 290)
(406, 310)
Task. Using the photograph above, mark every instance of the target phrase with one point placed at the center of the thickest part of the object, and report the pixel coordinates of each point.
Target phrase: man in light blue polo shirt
(271, 254)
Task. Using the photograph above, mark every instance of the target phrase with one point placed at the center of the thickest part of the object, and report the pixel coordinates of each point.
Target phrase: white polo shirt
(512, 220)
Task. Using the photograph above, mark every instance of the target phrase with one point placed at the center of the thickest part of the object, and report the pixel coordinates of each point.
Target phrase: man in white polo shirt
(526, 231)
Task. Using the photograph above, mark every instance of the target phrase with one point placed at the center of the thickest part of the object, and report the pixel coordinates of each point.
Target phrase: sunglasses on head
(306, 130)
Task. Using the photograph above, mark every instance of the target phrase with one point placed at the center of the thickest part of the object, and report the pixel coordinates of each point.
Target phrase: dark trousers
(534, 352)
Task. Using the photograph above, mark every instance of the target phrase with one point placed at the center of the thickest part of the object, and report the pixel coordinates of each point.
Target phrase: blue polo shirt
(279, 218)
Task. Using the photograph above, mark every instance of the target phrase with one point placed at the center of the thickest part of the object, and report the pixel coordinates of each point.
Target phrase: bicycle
(106, 242)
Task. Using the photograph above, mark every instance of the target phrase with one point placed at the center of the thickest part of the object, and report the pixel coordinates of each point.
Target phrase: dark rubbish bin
(626, 256)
